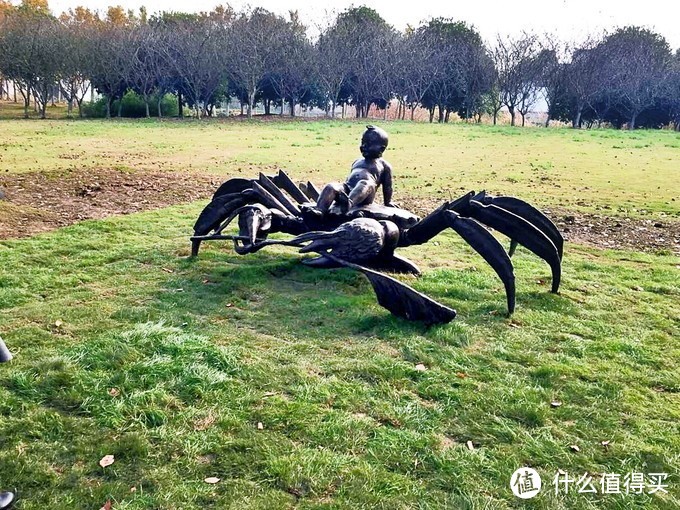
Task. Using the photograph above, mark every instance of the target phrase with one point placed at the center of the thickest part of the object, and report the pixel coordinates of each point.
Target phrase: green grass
(615, 172)
(126, 347)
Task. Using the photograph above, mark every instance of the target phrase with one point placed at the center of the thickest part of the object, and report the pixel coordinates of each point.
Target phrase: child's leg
(363, 193)
(331, 192)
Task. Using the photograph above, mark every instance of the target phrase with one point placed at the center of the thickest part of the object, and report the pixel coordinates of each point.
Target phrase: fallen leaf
(260, 426)
(212, 479)
(540, 282)
(114, 392)
(470, 445)
(575, 448)
(555, 403)
(58, 323)
(107, 505)
(461, 375)
(229, 305)
(605, 443)
(133, 489)
(638, 289)
(167, 270)
(420, 367)
(514, 325)
(269, 394)
(106, 460)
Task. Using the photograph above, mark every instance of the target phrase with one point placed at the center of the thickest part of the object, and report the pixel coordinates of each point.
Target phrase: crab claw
(360, 239)
(254, 222)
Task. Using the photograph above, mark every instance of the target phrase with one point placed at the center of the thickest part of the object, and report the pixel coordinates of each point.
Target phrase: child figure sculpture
(367, 174)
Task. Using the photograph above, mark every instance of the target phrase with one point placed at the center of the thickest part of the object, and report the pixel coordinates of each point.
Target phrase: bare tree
(333, 55)
(195, 50)
(293, 64)
(145, 54)
(550, 77)
(586, 78)
(412, 76)
(32, 51)
(110, 71)
(252, 51)
(76, 61)
(641, 60)
(518, 73)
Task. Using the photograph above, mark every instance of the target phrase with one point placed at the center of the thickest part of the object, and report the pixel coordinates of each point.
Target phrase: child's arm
(386, 179)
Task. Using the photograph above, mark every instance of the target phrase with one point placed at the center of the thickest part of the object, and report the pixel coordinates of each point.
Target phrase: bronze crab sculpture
(365, 238)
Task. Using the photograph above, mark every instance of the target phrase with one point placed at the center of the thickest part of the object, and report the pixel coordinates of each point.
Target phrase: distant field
(618, 172)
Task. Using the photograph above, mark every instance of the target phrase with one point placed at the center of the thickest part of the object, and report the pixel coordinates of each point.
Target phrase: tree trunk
(512, 115)
(385, 114)
(120, 107)
(180, 105)
(251, 103)
(495, 117)
(159, 106)
(80, 107)
(523, 117)
(431, 114)
(332, 109)
(146, 108)
(413, 112)
(631, 125)
(69, 108)
(576, 123)
(441, 114)
(292, 107)
(108, 107)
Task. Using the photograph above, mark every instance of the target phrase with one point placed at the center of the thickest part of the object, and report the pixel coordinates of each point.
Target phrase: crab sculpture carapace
(366, 238)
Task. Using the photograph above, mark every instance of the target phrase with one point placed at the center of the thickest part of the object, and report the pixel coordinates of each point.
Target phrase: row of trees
(627, 77)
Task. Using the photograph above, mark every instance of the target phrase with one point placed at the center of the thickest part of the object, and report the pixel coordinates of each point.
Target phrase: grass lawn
(126, 347)
(616, 172)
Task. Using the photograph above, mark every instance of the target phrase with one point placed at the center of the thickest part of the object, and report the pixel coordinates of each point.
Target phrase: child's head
(373, 143)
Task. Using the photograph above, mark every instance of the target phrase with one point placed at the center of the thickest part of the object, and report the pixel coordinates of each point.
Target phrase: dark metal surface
(364, 238)
(5, 355)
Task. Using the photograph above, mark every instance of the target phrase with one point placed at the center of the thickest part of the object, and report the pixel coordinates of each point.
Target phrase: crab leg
(529, 213)
(267, 184)
(521, 230)
(478, 237)
(283, 181)
(484, 243)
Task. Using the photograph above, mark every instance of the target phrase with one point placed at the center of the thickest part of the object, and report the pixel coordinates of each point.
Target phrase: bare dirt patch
(39, 202)
(595, 229)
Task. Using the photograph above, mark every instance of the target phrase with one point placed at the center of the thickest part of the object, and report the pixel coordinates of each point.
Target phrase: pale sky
(572, 20)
